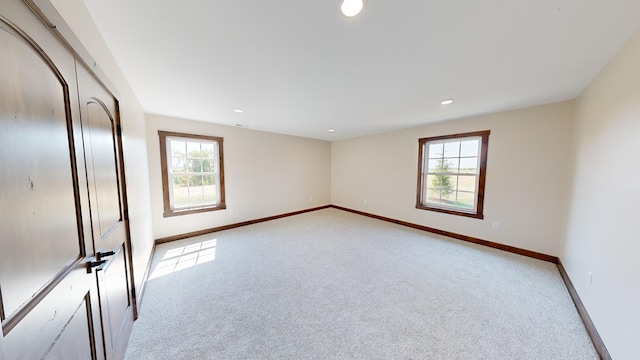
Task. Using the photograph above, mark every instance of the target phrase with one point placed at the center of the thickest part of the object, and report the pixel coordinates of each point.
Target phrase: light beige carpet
(334, 285)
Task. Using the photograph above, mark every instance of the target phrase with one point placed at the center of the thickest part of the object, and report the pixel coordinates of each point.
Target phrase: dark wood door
(64, 246)
(100, 127)
(49, 304)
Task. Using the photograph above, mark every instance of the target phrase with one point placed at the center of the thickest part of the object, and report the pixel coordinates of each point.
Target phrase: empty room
(329, 179)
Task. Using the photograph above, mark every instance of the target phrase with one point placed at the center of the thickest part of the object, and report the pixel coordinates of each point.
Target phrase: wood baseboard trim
(143, 284)
(584, 315)
(491, 244)
(235, 225)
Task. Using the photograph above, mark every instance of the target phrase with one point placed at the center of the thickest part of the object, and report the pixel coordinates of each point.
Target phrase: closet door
(102, 146)
(49, 303)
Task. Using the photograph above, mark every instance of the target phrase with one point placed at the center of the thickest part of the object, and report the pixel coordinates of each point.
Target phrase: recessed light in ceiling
(239, 111)
(332, 130)
(351, 7)
(447, 102)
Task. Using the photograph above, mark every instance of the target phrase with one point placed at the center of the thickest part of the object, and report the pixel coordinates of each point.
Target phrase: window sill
(449, 211)
(171, 213)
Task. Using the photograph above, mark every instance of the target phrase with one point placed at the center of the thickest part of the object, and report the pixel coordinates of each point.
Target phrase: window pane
(178, 159)
(434, 165)
(195, 197)
(444, 184)
(208, 180)
(178, 165)
(207, 150)
(469, 165)
(209, 190)
(451, 165)
(180, 192)
(431, 180)
(448, 186)
(210, 197)
(195, 165)
(193, 149)
(467, 183)
(177, 148)
(207, 165)
(465, 200)
(195, 190)
(198, 180)
(433, 196)
(179, 181)
(436, 151)
(469, 147)
(452, 149)
(443, 166)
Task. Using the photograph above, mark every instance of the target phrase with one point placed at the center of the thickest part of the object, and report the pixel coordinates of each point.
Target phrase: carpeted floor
(334, 285)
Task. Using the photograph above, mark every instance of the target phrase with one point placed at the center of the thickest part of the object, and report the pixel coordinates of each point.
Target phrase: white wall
(602, 235)
(265, 174)
(77, 17)
(526, 185)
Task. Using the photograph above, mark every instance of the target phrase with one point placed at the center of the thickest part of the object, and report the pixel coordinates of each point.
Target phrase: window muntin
(452, 172)
(192, 173)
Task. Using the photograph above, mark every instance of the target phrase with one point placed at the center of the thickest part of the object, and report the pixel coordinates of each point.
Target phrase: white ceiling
(300, 67)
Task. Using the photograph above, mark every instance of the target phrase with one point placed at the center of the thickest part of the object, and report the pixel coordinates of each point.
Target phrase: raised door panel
(116, 307)
(74, 341)
(38, 211)
(48, 301)
(102, 148)
(62, 319)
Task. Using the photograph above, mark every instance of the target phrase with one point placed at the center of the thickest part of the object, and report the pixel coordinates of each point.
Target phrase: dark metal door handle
(92, 264)
(102, 254)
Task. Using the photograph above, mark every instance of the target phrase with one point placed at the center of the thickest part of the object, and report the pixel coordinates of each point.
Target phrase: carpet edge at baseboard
(236, 225)
(491, 244)
(598, 343)
(139, 293)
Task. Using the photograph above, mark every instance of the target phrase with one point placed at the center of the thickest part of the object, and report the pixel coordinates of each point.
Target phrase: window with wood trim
(192, 173)
(451, 173)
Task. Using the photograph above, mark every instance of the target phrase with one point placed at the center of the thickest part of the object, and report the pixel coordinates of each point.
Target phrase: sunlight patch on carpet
(184, 257)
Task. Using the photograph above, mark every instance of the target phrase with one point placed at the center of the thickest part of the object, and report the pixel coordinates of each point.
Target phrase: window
(192, 173)
(451, 173)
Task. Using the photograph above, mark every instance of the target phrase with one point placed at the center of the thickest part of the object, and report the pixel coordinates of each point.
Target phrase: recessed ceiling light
(447, 102)
(239, 111)
(351, 7)
(332, 130)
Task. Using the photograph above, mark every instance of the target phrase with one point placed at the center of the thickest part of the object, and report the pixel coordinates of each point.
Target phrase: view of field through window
(193, 176)
(452, 169)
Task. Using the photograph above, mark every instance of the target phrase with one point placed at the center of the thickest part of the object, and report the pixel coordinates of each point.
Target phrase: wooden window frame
(478, 213)
(168, 211)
